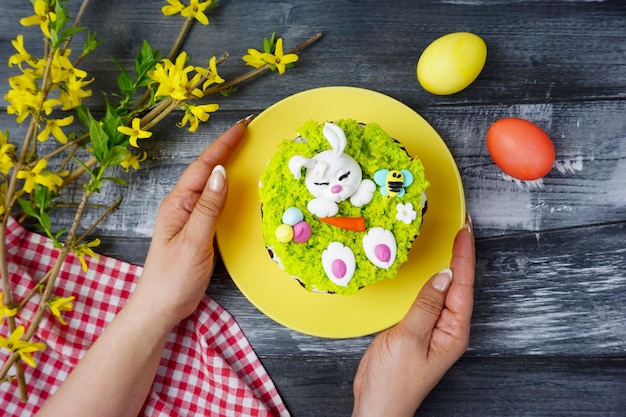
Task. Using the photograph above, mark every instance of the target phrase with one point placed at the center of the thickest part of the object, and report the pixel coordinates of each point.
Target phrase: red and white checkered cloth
(208, 367)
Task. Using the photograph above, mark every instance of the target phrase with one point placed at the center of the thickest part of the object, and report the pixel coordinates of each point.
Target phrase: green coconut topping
(374, 150)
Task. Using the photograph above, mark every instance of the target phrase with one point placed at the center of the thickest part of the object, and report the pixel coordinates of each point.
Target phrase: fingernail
(217, 180)
(247, 120)
(442, 280)
(468, 223)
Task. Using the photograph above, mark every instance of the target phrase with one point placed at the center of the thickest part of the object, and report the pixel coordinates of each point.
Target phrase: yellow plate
(269, 288)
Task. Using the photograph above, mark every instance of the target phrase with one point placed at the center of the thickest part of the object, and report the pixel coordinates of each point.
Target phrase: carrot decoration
(356, 224)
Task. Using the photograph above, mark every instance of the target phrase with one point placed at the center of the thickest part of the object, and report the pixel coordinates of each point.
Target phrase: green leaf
(145, 61)
(71, 32)
(28, 208)
(125, 83)
(85, 167)
(84, 115)
(94, 186)
(44, 221)
(100, 140)
(110, 123)
(269, 44)
(145, 58)
(229, 91)
(58, 234)
(42, 197)
(116, 180)
(91, 43)
(116, 156)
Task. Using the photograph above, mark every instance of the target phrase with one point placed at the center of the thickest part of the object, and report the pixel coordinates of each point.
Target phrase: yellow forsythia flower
(134, 132)
(7, 154)
(277, 59)
(196, 9)
(53, 127)
(39, 175)
(195, 114)
(42, 17)
(22, 54)
(254, 58)
(85, 249)
(4, 310)
(25, 349)
(173, 78)
(59, 304)
(175, 7)
(132, 161)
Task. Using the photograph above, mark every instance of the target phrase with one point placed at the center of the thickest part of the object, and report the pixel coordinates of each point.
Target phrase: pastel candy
(292, 216)
(284, 233)
(301, 232)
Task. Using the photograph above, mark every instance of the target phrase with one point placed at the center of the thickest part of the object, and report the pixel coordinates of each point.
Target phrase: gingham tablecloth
(208, 367)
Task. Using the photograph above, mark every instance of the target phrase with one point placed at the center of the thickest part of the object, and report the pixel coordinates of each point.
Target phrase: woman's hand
(181, 256)
(404, 363)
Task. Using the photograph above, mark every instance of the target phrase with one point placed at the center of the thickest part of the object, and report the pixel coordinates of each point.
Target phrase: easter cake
(341, 205)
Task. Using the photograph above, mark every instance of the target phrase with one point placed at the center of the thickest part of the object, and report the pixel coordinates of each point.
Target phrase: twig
(10, 197)
(54, 272)
(104, 215)
(76, 142)
(221, 87)
(177, 43)
(77, 20)
(181, 37)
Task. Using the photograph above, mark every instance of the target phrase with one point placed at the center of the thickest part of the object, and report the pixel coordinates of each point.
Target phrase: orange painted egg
(520, 148)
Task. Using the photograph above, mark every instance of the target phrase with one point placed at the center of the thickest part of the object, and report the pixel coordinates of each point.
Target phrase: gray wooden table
(549, 326)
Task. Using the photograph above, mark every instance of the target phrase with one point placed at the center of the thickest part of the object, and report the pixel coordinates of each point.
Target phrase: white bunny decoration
(332, 176)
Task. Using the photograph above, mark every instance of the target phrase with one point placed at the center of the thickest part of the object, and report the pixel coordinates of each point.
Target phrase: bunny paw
(339, 263)
(380, 247)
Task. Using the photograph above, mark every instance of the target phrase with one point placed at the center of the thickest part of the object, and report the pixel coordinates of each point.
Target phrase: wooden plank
(549, 325)
(538, 51)
(585, 186)
(473, 387)
(541, 301)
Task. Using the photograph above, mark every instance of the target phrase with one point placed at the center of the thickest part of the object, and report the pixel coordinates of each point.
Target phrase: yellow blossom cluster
(39, 175)
(85, 249)
(60, 304)
(277, 59)
(26, 96)
(195, 9)
(42, 17)
(182, 82)
(7, 154)
(15, 344)
(42, 86)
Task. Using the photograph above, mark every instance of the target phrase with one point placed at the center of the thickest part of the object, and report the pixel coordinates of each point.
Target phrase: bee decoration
(393, 182)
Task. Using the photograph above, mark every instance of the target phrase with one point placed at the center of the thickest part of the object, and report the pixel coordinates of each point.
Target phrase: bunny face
(333, 178)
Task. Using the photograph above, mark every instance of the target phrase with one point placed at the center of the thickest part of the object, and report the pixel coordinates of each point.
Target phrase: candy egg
(451, 63)
(301, 232)
(520, 148)
(284, 233)
(292, 215)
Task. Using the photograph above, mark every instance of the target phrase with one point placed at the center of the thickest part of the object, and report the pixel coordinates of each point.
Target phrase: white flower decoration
(405, 212)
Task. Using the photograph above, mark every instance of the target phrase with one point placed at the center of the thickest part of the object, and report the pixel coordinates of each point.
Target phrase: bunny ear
(335, 136)
(297, 162)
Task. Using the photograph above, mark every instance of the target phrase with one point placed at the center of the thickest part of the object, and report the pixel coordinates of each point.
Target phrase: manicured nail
(247, 120)
(217, 180)
(442, 280)
(468, 223)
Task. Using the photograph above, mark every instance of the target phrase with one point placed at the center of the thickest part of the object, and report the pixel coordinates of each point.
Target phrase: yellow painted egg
(451, 63)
